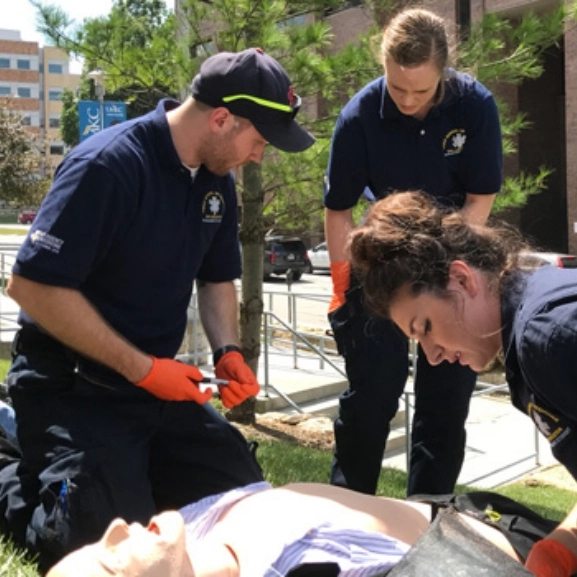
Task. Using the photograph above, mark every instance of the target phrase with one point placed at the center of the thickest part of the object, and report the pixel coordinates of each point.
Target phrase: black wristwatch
(219, 353)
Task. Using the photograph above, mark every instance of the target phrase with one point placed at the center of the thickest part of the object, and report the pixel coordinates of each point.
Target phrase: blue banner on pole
(114, 112)
(94, 116)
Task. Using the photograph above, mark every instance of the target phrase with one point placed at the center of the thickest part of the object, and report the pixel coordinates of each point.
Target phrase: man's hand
(242, 381)
(341, 276)
(550, 558)
(172, 380)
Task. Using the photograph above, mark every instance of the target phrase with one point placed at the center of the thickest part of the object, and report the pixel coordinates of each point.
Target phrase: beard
(219, 154)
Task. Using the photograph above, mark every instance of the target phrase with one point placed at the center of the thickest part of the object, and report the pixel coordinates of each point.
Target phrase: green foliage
(516, 190)
(135, 45)
(510, 51)
(69, 119)
(21, 161)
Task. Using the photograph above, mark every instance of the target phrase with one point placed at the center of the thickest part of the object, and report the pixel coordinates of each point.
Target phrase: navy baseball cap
(253, 85)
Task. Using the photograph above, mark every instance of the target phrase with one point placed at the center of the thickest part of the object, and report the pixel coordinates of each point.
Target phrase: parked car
(319, 257)
(283, 254)
(27, 217)
(537, 259)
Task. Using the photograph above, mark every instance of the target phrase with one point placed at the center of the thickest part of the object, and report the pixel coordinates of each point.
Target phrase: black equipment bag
(521, 526)
(451, 548)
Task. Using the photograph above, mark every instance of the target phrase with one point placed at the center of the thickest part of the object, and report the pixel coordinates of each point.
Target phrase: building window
(24, 92)
(54, 122)
(26, 120)
(54, 94)
(57, 149)
(55, 68)
(23, 64)
(4, 62)
(5, 91)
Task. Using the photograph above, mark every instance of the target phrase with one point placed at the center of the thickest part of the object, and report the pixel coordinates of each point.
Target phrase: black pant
(92, 451)
(377, 366)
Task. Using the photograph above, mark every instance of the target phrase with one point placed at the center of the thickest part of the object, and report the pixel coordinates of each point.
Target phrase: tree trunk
(251, 304)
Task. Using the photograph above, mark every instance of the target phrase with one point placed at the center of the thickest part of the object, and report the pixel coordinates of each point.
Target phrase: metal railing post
(265, 348)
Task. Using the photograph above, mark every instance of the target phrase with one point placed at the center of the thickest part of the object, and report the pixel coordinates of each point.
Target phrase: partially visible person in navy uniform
(422, 125)
(463, 292)
(108, 422)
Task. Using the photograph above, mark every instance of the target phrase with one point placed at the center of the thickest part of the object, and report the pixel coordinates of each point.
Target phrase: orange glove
(172, 380)
(550, 558)
(242, 383)
(341, 275)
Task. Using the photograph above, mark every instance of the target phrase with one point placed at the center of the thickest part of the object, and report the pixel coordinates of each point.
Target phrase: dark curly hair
(407, 239)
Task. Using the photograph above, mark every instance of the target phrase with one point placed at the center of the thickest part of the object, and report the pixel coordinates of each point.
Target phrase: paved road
(310, 296)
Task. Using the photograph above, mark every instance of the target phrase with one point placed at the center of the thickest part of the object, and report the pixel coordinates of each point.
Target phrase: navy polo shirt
(539, 319)
(455, 150)
(126, 225)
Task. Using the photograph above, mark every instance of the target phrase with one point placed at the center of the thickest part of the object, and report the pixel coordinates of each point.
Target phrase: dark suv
(283, 254)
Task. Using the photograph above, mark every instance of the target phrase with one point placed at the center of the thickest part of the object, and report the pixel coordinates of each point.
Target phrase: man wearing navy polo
(109, 424)
(421, 126)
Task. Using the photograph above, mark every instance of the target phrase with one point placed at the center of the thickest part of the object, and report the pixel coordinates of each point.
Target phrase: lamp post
(98, 77)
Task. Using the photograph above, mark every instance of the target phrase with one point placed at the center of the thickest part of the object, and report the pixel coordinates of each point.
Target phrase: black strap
(315, 570)
(219, 353)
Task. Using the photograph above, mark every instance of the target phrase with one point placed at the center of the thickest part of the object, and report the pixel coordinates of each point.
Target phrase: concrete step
(301, 393)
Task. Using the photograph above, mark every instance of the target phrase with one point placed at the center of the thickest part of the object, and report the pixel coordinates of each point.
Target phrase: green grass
(8, 219)
(285, 463)
(13, 231)
(4, 366)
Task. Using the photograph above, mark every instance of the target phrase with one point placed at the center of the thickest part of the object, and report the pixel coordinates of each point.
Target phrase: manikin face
(158, 550)
(412, 89)
(463, 328)
(231, 149)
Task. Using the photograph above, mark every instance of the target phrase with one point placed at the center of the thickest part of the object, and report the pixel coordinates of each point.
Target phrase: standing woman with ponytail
(420, 126)
(460, 290)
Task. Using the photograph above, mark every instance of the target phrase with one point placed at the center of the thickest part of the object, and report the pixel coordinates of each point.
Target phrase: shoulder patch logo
(549, 425)
(46, 241)
(454, 142)
(212, 207)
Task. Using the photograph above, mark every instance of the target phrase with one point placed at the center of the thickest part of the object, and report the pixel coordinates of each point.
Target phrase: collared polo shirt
(127, 225)
(455, 150)
(539, 320)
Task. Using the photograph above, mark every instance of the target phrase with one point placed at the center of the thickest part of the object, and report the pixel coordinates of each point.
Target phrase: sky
(22, 16)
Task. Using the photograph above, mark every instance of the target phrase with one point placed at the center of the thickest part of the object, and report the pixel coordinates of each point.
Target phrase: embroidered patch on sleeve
(46, 241)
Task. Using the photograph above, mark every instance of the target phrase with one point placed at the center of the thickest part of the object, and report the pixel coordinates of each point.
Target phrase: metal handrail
(296, 335)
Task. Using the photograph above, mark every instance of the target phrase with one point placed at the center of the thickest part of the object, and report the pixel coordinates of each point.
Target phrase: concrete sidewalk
(502, 443)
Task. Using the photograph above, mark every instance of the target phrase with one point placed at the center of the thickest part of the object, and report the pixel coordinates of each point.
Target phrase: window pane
(55, 68)
(5, 90)
(54, 94)
(54, 122)
(26, 121)
(23, 64)
(4, 63)
(24, 92)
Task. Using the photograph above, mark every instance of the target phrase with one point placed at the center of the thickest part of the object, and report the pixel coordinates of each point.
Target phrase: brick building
(550, 103)
(32, 79)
